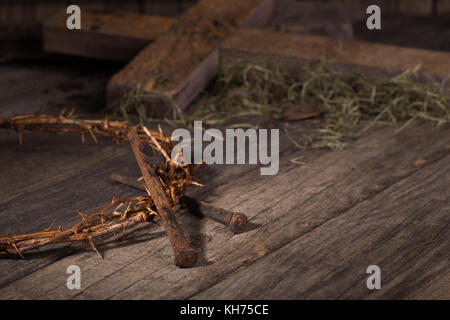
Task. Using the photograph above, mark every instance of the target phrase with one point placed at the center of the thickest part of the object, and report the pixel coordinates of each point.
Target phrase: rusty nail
(185, 255)
(234, 221)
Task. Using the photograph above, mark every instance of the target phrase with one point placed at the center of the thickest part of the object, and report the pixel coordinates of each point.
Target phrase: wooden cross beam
(294, 50)
(180, 63)
(110, 36)
(187, 53)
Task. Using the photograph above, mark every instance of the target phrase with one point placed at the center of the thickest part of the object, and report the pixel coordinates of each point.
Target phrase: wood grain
(302, 201)
(295, 50)
(404, 230)
(179, 64)
(308, 17)
(111, 36)
(25, 89)
(431, 33)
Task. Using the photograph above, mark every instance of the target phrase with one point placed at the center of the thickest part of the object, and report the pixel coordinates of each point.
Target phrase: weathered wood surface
(180, 63)
(404, 230)
(33, 13)
(29, 88)
(53, 175)
(111, 36)
(312, 17)
(404, 7)
(430, 33)
(50, 86)
(295, 204)
(295, 50)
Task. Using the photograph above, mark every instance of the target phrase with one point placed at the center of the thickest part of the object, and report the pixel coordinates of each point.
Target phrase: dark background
(416, 23)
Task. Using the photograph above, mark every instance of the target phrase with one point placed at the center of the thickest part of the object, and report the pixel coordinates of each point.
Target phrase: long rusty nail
(185, 255)
(234, 221)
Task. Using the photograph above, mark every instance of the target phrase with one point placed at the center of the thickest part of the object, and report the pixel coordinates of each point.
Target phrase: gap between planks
(340, 271)
(319, 200)
(71, 174)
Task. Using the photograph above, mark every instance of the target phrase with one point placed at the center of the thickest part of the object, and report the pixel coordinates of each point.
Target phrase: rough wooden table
(313, 230)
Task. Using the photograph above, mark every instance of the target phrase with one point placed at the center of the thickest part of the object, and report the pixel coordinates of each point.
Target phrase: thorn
(116, 213)
(71, 113)
(153, 212)
(114, 198)
(62, 112)
(91, 244)
(119, 206)
(124, 214)
(18, 251)
(92, 134)
(50, 227)
(106, 124)
(83, 139)
(172, 194)
(82, 215)
(148, 192)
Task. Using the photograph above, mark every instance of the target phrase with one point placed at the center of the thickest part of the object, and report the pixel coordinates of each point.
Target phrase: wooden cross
(185, 54)
(180, 63)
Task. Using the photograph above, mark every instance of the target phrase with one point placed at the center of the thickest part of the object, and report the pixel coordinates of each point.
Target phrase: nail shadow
(192, 229)
(252, 226)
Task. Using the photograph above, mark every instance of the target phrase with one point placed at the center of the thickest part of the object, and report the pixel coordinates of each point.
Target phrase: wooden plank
(162, 7)
(416, 7)
(431, 33)
(3, 14)
(404, 230)
(69, 159)
(125, 6)
(294, 50)
(411, 7)
(179, 64)
(90, 5)
(443, 7)
(408, 7)
(111, 36)
(75, 168)
(47, 9)
(308, 17)
(51, 86)
(304, 199)
(186, 4)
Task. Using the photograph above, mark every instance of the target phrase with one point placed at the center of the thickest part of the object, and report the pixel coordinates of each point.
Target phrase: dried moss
(351, 103)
